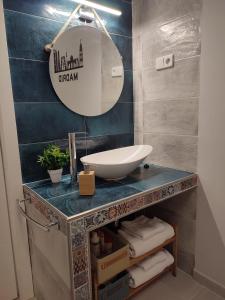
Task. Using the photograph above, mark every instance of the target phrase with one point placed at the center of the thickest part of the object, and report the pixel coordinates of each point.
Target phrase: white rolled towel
(139, 247)
(138, 276)
(153, 260)
(143, 227)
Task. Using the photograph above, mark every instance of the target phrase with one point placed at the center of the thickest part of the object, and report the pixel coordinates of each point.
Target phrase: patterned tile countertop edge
(99, 216)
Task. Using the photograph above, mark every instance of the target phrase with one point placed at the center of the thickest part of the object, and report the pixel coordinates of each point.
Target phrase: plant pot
(55, 175)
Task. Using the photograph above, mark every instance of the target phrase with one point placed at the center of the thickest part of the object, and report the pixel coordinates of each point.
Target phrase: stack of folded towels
(149, 268)
(144, 234)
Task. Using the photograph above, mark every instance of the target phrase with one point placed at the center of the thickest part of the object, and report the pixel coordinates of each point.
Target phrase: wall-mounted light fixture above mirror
(100, 7)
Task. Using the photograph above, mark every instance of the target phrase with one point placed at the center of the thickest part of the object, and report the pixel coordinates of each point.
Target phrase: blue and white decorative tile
(77, 226)
(80, 262)
(49, 214)
(83, 293)
(78, 240)
(120, 210)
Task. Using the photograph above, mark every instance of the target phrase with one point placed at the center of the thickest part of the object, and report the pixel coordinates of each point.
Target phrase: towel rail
(30, 219)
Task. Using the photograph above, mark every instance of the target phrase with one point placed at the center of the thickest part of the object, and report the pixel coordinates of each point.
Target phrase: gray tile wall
(166, 102)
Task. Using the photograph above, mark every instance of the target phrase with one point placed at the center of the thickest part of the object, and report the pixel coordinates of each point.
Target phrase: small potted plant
(54, 159)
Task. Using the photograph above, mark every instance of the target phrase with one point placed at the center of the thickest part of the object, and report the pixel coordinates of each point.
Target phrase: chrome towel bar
(28, 218)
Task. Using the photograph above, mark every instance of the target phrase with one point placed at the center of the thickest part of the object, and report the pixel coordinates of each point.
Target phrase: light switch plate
(164, 62)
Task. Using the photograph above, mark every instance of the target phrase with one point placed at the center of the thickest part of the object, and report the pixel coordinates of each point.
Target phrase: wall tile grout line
(35, 100)
(61, 22)
(87, 137)
(168, 134)
(47, 61)
(32, 15)
(159, 24)
(20, 101)
(170, 99)
(170, 20)
(28, 59)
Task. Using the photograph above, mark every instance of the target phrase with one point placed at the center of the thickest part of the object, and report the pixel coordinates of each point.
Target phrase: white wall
(12, 171)
(210, 241)
(8, 287)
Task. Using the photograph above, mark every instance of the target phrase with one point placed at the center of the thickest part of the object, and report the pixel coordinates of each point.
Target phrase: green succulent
(53, 158)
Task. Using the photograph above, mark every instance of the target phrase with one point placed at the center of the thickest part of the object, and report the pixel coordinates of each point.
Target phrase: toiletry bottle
(102, 241)
(108, 245)
(95, 244)
(87, 181)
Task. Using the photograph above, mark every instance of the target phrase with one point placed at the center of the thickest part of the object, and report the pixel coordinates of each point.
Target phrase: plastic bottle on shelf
(102, 241)
(108, 244)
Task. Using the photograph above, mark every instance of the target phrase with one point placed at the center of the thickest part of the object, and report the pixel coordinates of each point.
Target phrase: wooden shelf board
(139, 288)
(136, 260)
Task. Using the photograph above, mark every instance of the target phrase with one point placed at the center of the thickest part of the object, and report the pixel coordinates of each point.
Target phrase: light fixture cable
(84, 3)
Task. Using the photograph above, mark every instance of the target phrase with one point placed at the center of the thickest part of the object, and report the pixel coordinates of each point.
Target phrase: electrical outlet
(117, 71)
(164, 62)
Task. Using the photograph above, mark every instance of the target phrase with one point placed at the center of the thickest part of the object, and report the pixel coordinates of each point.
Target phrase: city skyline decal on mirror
(68, 63)
(82, 57)
(63, 64)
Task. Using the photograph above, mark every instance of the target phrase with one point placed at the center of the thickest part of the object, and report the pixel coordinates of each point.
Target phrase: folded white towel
(139, 247)
(153, 260)
(143, 227)
(138, 276)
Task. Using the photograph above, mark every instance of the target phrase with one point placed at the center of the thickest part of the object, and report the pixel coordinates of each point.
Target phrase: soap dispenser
(87, 181)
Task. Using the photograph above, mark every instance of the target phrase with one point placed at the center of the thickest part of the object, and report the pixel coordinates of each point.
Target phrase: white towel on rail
(139, 247)
(143, 227)
(138, 276)
(153, 260)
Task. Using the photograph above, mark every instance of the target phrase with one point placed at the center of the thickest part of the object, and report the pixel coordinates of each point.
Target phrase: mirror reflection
(86, 70)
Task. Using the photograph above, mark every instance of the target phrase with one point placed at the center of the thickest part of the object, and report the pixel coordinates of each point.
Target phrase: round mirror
(86, 70)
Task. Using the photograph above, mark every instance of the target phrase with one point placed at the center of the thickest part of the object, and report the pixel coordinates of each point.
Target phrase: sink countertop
(65, 199)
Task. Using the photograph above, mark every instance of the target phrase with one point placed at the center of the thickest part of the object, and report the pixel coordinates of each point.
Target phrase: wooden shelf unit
(135, 291)
(133, 261)
(137, 260)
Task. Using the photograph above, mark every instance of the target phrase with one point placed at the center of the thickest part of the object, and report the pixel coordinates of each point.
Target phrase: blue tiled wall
(41, 117)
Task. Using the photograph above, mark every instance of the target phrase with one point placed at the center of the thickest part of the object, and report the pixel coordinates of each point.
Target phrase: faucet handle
(72, 144)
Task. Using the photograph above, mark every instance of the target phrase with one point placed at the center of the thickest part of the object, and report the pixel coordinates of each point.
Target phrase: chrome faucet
(73, 156)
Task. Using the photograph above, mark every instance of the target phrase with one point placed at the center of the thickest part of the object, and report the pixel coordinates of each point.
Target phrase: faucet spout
(73, 156)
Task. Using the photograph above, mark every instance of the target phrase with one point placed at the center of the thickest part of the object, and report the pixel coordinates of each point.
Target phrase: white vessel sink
(117, 163)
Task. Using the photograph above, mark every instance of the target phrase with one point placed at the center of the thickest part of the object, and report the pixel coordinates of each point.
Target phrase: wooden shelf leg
(174, 270)
(174, 250)
(95, 285)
